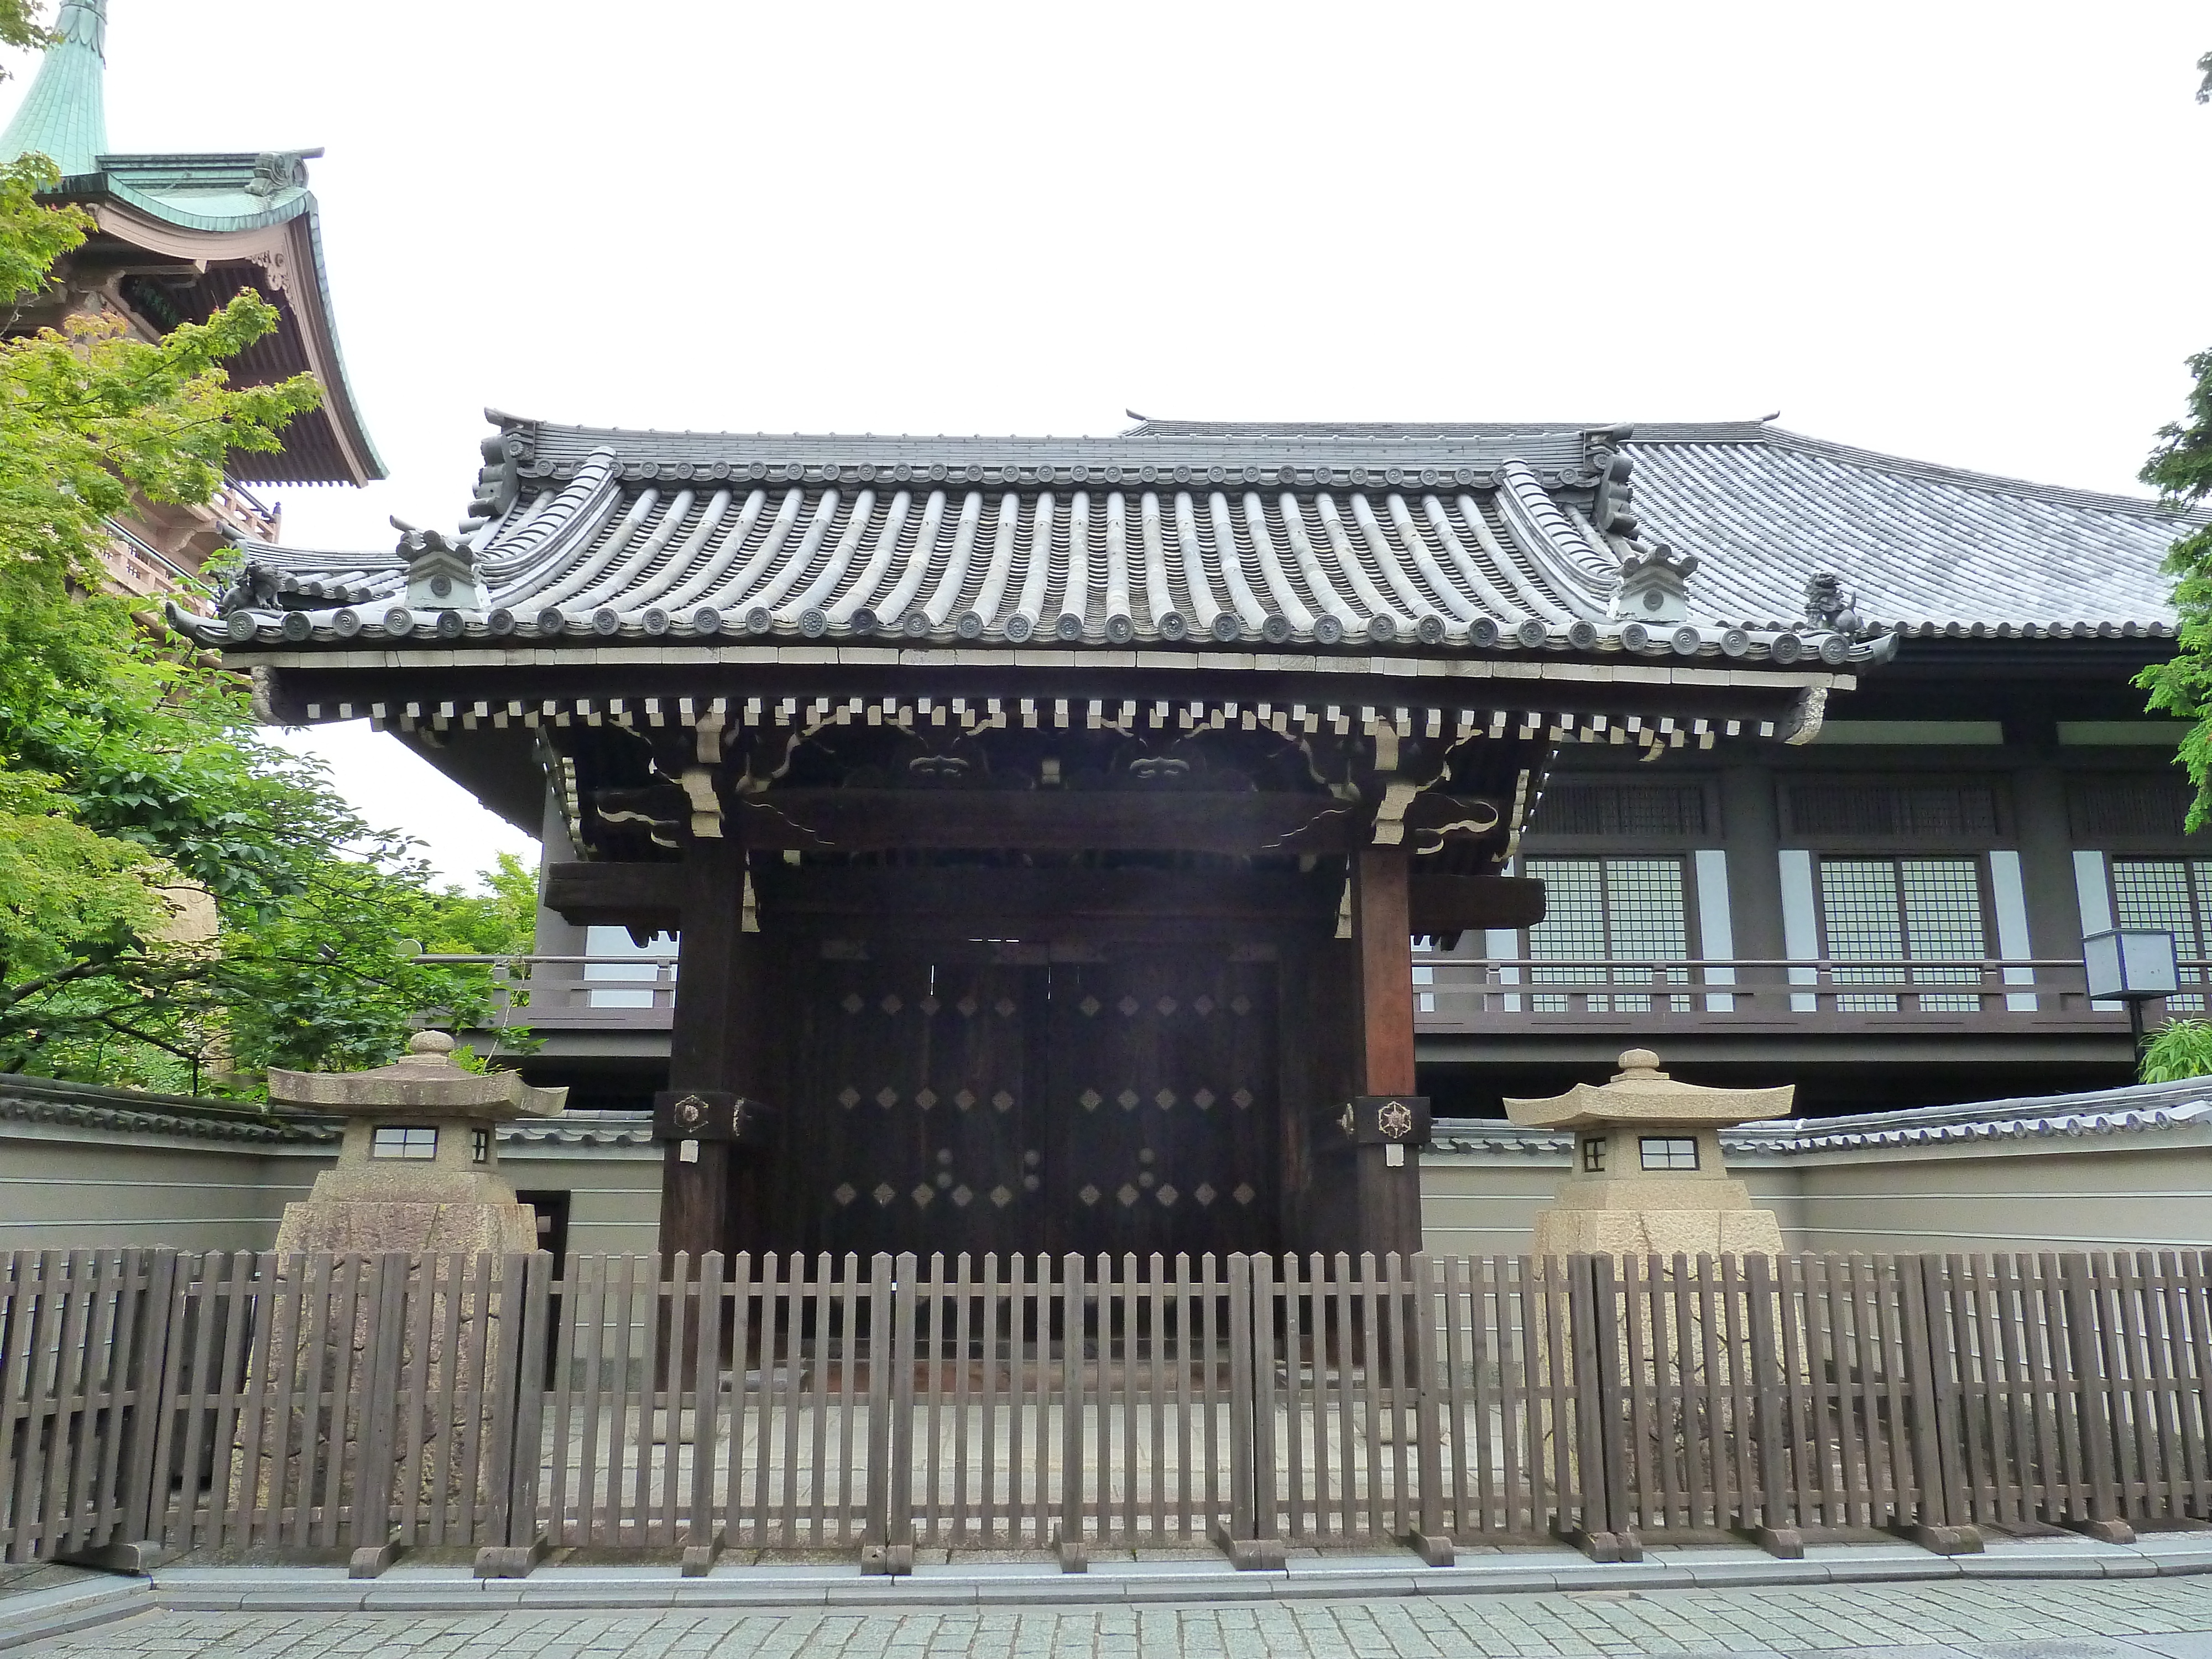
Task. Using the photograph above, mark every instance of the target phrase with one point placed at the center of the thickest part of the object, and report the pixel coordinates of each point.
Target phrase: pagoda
(175, 236)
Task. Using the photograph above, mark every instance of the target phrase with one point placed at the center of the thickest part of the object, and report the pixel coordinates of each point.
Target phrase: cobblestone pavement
(2109, 1620)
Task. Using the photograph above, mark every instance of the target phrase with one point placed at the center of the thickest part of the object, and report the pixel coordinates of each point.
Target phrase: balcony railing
(1457, 995)
(1469, 994)
(578, 994)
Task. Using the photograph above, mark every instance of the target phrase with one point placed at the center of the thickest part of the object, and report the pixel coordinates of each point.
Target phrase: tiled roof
(1930, 550)
(1505, 541)
(2143, 1108)
(64, 116)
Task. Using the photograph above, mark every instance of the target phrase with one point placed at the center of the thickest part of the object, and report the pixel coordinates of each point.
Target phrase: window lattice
(2172, 895)
(1627, 911)
(1914, 920)
(1856, 806)
(2119, 805)
(1621, 809)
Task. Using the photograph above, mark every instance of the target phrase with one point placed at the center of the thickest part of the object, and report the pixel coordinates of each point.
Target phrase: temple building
(1045, 821)
(176, 236)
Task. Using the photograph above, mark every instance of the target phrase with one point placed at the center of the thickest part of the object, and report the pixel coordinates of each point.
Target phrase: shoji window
(1623, 914)
(1917, 920)
(2175, 896)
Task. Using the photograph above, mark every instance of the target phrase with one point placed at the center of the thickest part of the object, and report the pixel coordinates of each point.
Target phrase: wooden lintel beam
(617, 895)
(867, 820)
(1456, 904)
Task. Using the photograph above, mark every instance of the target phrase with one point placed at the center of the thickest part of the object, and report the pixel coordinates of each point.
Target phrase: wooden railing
(301, 1404)
(1502, 995)
(1455, 994)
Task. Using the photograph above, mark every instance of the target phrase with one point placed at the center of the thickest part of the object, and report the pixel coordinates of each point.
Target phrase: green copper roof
(65, 114)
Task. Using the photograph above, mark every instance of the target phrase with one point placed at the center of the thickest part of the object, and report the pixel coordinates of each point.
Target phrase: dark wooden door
(1128, 1104)
(913, 1119)
(1160, 1090)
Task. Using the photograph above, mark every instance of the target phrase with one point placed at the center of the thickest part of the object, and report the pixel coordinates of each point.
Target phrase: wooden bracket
(886, 1561)
(513, 1560)
(374, 1560)
(699, 1559)
(1437, 1549)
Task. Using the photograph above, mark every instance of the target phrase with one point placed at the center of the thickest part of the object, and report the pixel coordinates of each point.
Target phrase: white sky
(1968, 232)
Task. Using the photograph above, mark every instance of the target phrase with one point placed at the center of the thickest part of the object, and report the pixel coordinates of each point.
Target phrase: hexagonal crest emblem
(1394, 1119)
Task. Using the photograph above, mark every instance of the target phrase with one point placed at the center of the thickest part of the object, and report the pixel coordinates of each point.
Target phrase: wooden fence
(322, 1405)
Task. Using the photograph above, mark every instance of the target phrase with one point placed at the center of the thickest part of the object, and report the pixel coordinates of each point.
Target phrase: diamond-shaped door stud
(891, 1004)
(1002, 1102)
(1129, 1100)
(1167, 1195)
(1089, 1006)
(965, 1099)
(844, 1192)
(1089, 1100)
(849, 1096)
(1203, 1100)
(885, 1194)
(887, 1096)
(968, 1005)
(927, 1005)
(963, 1196)
(1005, 1007)
(921, 1195)
(1204, 1192)
(1128, 1194)
(1165, 1099)
(1165, 1005)
(1128, 1005)
(1204, 1005)
(926, 1099)
(1240, 1004)
(852, 1004)
(1088, 1194)
(1002, 1195)
(1243, 1193)
(1242, 1099)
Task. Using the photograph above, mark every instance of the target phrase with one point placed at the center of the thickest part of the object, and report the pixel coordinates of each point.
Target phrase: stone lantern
(418, 1169)
(1648, 1177)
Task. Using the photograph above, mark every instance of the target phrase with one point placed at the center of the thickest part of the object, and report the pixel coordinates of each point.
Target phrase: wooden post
(714, 1042)
(1388, 1204)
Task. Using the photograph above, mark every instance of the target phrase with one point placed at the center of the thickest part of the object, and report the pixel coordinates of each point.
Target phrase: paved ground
(2140, 1618)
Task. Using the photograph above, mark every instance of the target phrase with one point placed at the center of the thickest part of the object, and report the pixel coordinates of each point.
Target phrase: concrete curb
(47, 1614)
(36, 1615)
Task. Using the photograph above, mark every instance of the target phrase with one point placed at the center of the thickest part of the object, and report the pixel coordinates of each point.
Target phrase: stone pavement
(1955, 1619)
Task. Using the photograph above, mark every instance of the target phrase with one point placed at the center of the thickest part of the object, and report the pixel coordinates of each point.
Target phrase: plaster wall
(2115, 1192)
(69, 1189)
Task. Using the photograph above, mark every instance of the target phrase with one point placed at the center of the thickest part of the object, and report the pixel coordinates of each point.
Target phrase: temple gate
(1046, 821)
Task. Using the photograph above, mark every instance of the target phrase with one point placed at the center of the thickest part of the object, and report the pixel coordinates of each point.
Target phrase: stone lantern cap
(1641, 1093)
(425, 1080)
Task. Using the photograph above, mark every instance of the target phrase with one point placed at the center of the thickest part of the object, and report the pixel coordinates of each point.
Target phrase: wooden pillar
(1388, 1206)
(714, 1040)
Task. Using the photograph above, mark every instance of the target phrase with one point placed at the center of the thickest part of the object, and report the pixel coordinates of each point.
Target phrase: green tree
(136, 792)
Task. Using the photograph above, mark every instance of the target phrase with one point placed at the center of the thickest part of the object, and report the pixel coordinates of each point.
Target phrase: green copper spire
(65, 114)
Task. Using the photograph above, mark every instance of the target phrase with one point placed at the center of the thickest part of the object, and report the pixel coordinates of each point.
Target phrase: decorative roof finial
(64, 117)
